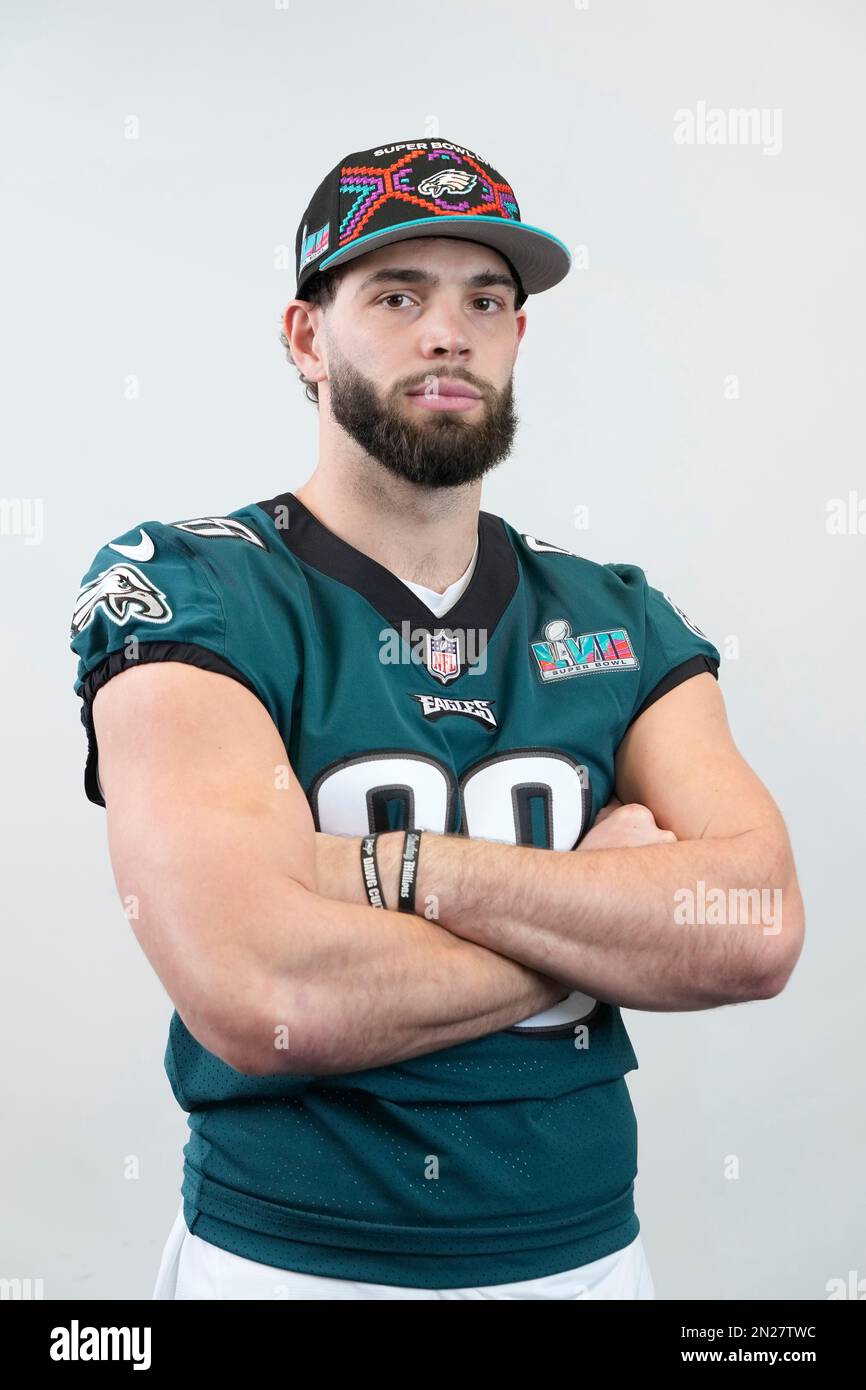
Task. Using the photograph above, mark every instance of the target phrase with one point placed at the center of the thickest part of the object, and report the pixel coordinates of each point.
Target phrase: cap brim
(540, 259)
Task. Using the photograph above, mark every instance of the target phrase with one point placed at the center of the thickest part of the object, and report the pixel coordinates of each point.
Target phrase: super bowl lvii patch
(561, 654)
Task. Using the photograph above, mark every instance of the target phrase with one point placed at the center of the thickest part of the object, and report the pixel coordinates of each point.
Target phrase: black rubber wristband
(370, 870)
(409, 870)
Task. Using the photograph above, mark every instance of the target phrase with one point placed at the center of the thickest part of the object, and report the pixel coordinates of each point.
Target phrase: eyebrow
(407, 276)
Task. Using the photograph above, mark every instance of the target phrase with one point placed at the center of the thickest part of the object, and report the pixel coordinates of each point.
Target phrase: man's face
(410, 323)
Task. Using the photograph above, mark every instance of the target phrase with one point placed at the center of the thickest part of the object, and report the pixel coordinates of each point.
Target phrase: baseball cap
(422, 188)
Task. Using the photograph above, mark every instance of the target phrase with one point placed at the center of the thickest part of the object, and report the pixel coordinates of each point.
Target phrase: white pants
(192, 1268)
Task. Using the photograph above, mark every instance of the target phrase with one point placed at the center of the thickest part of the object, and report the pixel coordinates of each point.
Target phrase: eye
(489, 299)
(395, 294)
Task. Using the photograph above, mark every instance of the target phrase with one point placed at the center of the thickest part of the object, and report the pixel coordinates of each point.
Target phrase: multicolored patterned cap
(422, 188)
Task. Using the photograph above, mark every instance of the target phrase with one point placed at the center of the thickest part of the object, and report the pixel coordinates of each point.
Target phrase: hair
(321, 289)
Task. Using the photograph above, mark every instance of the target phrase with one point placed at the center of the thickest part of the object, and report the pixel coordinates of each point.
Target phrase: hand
(625, 827)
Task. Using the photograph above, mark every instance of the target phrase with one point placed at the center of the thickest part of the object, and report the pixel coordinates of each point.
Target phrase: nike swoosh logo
(145, 550)
(543, 545)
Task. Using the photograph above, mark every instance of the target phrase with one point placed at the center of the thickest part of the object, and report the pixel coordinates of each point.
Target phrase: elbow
(273, 1036)
(783, 935)
(247, 1055)
(271, 1049)
(774, 983)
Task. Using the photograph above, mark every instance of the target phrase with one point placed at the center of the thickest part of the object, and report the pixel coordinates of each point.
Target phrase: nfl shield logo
(443, 656)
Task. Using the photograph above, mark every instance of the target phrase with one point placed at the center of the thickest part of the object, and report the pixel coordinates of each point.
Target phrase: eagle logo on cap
(451, 180)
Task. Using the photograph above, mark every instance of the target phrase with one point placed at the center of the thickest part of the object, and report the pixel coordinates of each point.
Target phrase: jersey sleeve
(672, 647)
(147, 596)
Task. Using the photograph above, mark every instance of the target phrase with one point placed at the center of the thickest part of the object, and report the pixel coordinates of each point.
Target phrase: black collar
(481, 604)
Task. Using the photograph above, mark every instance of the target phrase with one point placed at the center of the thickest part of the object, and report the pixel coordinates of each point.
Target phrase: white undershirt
(440, 603)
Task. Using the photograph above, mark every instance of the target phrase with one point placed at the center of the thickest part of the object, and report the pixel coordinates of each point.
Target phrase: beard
(438, 449)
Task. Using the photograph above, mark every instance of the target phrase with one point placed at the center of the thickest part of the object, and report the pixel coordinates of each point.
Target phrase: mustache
(481, 386)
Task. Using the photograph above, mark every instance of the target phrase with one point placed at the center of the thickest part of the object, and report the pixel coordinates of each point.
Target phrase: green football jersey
(509, 1157)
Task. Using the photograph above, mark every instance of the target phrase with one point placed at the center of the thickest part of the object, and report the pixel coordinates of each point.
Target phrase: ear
(302, 323)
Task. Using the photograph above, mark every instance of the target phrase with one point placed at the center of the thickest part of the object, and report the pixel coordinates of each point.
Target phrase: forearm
(358, 987)
(624, 925)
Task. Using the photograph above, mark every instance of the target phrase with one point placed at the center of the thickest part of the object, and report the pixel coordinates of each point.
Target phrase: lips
(447, 388)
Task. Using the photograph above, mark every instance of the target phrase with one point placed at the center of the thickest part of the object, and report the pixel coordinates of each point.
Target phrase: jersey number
(534, 796)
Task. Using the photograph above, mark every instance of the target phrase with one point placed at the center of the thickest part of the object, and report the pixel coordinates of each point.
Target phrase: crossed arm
(260, 933)
(715, 918)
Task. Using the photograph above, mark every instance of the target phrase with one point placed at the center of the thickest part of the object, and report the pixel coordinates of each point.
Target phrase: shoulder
(242, 528)
(155, 565)
(614, 591)
(540, 556)
(186, 581)
(126, 576)
(192, 590)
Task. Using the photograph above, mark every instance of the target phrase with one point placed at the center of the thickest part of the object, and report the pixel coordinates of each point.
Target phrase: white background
(155, 257)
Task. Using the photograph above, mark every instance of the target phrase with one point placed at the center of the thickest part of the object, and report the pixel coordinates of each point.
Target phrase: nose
(443, 333)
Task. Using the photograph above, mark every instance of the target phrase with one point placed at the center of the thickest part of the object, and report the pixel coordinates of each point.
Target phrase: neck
(424, 535)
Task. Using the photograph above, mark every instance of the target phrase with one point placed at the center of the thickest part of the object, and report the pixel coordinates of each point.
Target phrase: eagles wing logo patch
(226, 526)
(121, 592)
